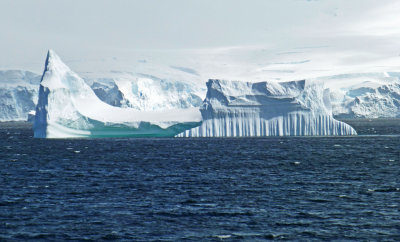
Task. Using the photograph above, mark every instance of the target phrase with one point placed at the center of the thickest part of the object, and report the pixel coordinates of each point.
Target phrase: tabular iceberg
(236, 109)
(68, 107)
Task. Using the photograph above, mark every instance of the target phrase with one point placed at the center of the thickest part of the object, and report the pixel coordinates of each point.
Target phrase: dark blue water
(329, 188)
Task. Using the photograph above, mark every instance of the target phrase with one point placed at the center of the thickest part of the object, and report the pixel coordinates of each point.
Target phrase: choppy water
(326, 188)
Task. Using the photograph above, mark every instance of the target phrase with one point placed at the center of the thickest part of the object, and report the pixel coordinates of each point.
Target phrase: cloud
(95, 29)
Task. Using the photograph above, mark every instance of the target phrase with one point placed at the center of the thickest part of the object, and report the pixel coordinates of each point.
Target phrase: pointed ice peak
(50, 56)
(54, 61)
(54, 71)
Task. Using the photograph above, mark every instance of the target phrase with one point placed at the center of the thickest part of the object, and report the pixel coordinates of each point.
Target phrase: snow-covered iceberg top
(68, 107)
(236, 109)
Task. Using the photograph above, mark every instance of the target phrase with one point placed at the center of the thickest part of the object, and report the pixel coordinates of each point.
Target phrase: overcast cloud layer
(364, 33)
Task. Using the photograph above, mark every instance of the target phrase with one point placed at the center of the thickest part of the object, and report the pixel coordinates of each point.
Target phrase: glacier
(147, 93)
(68, 107)
(150, 80)
(237, 109)
(18, 94)
(353, 95)
(364, 95)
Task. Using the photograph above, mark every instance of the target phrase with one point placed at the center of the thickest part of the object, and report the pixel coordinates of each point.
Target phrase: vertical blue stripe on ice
(236, 109)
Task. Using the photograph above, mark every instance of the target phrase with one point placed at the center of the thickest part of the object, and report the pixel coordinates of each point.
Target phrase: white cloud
(351, 33)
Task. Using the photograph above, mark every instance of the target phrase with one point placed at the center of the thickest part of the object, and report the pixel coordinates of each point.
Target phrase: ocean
(221, 189)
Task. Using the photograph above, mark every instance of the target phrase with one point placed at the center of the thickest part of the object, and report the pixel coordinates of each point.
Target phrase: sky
(360, 33)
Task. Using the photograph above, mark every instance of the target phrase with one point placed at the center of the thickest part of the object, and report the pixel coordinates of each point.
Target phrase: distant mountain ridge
(353, 95)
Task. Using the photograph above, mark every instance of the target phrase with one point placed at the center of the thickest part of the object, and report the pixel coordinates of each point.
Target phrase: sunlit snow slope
(363, 89)
(68, 107)
(236, 109)
(147, 93)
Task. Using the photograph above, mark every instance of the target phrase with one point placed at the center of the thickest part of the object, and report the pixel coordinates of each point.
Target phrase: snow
(151, 80)
(236, 109)
(147, 94)
(18, 94)
(108, 92)
(364, 95)
(323, 64)
(68, 107)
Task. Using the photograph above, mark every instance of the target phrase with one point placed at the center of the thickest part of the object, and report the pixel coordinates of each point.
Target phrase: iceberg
(296, 108)
(68, 107)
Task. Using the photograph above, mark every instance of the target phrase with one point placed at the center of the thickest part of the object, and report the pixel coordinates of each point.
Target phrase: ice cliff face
(383, 101)
(68, 107)
(18, 94)
(236, 109)
(364, 95)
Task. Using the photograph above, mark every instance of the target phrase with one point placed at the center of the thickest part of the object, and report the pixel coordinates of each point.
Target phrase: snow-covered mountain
(354, 95)
(18, 94)
(153, 80)
(365, 95)
(147, 93)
